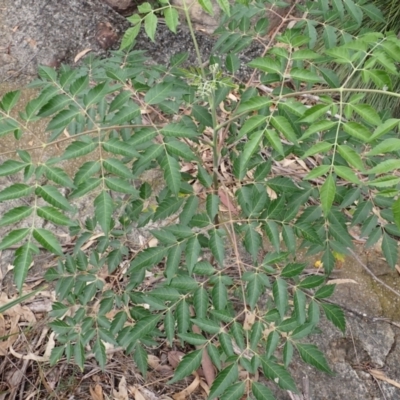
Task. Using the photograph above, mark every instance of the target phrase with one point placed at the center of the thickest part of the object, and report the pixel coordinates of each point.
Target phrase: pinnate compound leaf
(261, 392)
(335, 314)
(311, 355)
(278, 374)
(47, 240)
(224, 380)
(190, 362)
(15, 215)
(103, 205)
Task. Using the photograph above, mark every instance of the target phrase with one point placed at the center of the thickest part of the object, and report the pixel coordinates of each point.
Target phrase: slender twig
(372, 274)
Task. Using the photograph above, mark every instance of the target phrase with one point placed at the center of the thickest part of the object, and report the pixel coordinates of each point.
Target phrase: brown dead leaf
(153, 361)
(341, 281)
(96, 392)
(81, 54)
(122, 392)
(226, 201)
(174, 358)
(136, 393)
(249, 320)
(376, 373)
(141, 393)
(189, 390)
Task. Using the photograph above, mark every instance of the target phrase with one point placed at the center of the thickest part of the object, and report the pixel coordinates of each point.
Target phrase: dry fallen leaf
(249, 320)
(174, 358)
(188, 390)
(142, 393)
(136, 393)
(341, 281)
(81, 54)
(96, 392)
(381, 376)
(122, 392)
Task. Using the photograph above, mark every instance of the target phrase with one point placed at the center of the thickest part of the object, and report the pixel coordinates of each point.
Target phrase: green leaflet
(311, 355)
(47, 240)
(190, 362)
(279, 374)
(223, 380)
(15, 215)
(103, 211)
(327, 193)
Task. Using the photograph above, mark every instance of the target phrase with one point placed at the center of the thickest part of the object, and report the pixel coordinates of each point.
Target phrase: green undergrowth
(200, 238)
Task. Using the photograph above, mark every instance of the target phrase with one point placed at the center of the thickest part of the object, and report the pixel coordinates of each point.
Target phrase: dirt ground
(366, 359)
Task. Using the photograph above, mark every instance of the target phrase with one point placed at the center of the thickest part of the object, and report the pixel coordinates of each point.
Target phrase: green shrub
(200, 276)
